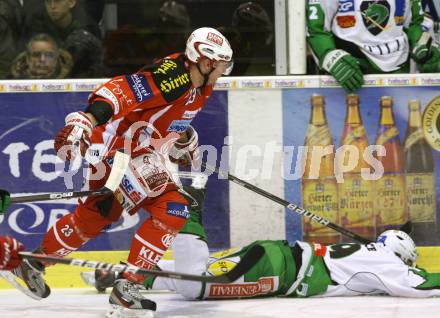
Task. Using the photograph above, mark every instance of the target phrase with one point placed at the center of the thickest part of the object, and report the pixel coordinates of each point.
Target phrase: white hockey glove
(74, 138)
(185, 151)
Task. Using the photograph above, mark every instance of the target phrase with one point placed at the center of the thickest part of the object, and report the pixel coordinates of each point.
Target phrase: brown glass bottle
(355, 193)
(420, 179)
(319, 188)
(390, 193)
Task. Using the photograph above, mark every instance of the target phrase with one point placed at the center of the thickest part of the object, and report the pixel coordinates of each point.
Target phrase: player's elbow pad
(101, 110)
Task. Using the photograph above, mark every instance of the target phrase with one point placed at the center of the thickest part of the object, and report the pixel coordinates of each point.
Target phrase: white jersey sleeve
(371, 269)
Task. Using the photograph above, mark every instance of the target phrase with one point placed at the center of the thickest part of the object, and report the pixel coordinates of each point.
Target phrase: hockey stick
(295, 208)
(246, 263)
(120, 164)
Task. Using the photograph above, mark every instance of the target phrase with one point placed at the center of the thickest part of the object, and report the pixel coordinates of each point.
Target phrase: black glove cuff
(101, 110)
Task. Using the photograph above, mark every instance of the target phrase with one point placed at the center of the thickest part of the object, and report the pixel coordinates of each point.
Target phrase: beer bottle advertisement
(355, 193)
(420, 178)
(319, 187)
(390, 191)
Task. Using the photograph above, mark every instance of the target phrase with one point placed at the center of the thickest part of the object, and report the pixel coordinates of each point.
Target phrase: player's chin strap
(205, 76)
(407, 227)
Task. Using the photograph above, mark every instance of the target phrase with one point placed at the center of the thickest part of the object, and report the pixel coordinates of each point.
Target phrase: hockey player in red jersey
(148, 114)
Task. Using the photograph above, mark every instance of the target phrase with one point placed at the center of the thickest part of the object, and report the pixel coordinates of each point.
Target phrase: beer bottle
(355, 193)
(390, 195)
(319, 188)
(420, 180)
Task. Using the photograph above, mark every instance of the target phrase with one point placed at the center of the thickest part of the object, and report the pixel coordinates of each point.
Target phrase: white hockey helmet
(401, 244)
(209, 43)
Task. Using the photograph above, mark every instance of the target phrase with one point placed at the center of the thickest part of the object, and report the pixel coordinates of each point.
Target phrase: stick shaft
(291, 206)
(120, 268)
(58, 195)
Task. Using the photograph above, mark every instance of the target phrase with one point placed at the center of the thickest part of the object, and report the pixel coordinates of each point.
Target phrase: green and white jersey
(384, 31)
(353, 269)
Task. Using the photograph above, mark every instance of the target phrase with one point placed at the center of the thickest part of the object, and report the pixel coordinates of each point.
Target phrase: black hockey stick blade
(253, 256)
(407, 228)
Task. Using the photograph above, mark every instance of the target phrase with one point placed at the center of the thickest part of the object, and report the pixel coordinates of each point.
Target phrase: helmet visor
(226, 66)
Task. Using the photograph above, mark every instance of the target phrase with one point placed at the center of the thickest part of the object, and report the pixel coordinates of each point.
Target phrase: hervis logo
(431, 123)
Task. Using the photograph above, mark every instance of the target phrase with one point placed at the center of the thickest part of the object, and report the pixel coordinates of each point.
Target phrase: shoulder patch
(172, 79)
(139, 86)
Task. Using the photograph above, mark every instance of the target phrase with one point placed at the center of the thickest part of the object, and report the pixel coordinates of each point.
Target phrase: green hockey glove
(345, 69)
(5, 200)
(422, 50)
(432, 65)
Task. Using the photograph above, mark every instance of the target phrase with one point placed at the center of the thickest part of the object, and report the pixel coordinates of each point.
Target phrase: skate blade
(14, 281)
(117, 311)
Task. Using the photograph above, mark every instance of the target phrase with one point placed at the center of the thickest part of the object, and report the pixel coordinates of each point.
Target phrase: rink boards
(261, 116)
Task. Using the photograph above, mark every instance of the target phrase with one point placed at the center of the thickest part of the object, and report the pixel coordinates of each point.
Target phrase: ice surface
(86, 303)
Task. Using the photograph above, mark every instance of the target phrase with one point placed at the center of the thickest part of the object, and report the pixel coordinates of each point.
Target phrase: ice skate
(31, 273)
(126, 301)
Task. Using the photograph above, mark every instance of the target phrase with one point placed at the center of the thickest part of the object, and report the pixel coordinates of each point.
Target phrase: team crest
(375, 15)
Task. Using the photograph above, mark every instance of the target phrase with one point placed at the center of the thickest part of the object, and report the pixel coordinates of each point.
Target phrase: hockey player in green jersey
(301, 270)
(350, 38)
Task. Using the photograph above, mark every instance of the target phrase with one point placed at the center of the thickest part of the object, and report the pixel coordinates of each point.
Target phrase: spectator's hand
(432, 65)
(9, 249)
(74, 138)
(5, 200)
(185, 151)
(345, 69)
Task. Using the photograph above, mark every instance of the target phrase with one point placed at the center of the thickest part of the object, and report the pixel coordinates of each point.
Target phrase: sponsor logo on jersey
(346, 21)
(139, 86)
(165, 66)
(222, 266)
(167, 240)
(178, 209)
(214, 38)
(130, 190)
(106, 93)
(264, 285)
(173, 83)
(179, 125)
(190, 114)
(319, 250)
(346, 6)
(147, 258)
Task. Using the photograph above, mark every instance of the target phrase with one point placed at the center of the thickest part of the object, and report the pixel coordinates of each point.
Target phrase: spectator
(76, 33)
(11, 20)
(350, 38)
(131, 47)
(42, 59)
(251, 35)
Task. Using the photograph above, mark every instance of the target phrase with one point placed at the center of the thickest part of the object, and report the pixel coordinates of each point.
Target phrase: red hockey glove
(74, 138)
(9, 248)
(185, 151)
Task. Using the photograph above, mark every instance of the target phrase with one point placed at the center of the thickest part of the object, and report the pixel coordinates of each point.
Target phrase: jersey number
(313, 13)
(343, 250)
